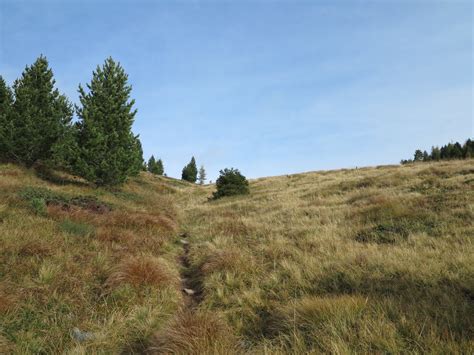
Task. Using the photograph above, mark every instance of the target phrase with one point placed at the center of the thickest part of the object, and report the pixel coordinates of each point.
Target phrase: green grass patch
(77, 228)
(39, 196)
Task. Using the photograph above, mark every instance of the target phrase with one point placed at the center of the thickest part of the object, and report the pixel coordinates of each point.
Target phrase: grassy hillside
(366, 260)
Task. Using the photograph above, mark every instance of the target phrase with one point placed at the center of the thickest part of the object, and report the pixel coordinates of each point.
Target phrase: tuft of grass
(141, 271)
(76, 228)
(195, 333)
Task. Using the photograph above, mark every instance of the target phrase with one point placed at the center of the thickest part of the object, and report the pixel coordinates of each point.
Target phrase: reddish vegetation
(195, 333)
(141, 271)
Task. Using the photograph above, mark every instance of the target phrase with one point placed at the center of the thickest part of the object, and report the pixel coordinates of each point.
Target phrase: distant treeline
(446, 152)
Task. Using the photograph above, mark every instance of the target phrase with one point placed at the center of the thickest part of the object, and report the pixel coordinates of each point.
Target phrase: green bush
(231, 182)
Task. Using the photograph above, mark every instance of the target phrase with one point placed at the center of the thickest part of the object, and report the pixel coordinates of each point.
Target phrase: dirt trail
(191, 278)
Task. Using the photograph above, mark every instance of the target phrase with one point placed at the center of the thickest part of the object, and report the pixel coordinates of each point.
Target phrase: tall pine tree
(6, 102)
(190, 171)
(108, 150)
(40, 118)
(152, 165)
(160, 169)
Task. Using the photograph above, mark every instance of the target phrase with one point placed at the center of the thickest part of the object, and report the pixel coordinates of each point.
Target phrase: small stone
(184, 242)
(188, 291)
(81, 336)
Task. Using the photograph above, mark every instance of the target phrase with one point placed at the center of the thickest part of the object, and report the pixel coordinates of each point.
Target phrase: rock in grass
(81, 336)
(184, 241)
(188, 291)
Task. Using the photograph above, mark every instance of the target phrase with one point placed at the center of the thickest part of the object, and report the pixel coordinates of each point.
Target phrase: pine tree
(109, 152)
(418, 156)
(202, 175)
(190, 171)
(426, 156)
(6, 102)
(160, 169)
(457, 151)
(41, 117)
(435, 153)
(468, 149)
(152, 164)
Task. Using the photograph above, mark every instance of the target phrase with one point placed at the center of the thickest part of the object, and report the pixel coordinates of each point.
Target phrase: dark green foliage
(231, 182)
(40, 196)
(446, 152)
(426, 156)
(108, 151)
(155, 167)
(40, 117)
(468, 149)
(6, 102)
(151, 165)
(190, 171)
(418, 156)
(435, 153)
(159, 167)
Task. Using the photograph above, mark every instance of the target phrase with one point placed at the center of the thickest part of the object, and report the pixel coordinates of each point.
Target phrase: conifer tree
(160, 169)
(457, 152)
(435, 153)
(202, 175)
(426, 156)
(108, 150)
(190, 171)
(468, 149)
(41, 117)
(6, 102)
(418, 156)
(152, 164)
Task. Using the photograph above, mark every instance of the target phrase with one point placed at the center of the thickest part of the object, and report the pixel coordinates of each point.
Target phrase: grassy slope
(376, 259)
(342, 261)
(111, 273)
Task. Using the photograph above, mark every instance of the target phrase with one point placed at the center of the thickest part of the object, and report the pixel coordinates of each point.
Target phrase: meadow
(348, 261)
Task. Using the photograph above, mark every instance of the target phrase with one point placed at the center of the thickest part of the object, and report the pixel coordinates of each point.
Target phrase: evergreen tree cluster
(449, 151)
(190, 171)
(36, 124)
(155, 167)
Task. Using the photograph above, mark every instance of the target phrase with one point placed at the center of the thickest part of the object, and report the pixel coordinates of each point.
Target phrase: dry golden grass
(372, 260)
(367, 260)
(55, 265)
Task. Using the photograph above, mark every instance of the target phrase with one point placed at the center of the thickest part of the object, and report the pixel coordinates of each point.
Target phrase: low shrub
(231, 182)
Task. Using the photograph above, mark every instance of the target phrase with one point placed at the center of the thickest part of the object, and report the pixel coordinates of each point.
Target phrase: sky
(268, 87)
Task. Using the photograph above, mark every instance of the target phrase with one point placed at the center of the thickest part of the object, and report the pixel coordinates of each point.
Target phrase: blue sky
(269, 87)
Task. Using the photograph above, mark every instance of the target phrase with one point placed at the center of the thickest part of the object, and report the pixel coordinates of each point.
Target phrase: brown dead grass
(141, 271)
(195, 333)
